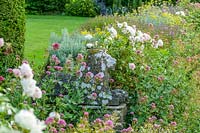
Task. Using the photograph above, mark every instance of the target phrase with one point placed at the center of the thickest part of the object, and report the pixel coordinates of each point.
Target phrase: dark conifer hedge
(12, 28)
(45, 6)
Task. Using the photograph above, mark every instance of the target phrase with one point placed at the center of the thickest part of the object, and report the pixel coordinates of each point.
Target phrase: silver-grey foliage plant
(69, 45)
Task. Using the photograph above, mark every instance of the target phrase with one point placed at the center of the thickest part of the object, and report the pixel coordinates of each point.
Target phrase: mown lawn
(38, 30)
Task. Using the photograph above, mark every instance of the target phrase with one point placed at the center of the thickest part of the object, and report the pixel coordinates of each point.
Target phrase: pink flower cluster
(56, 124)
(55, 46)
(99, 76)
(132, 66)
(55, 59)
(94, 96)
(79, 73)
(152, 119)
(89, 75)
(127, 130)
(79, 57)
(58, 68)
(1, 79)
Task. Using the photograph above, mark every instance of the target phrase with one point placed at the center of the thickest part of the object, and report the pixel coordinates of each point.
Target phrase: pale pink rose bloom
(28, 86)
(38, 93)
(16, 72)
(132, 66)
(26, 71)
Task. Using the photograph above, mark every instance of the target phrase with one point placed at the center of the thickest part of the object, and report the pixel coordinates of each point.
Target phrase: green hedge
(45, 6)
(84, 8)
(12, 28)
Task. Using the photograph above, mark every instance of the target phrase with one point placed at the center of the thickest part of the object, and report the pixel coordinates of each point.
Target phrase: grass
(38, 30)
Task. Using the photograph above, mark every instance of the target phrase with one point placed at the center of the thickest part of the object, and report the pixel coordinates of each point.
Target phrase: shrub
(45, 6)
(12, 28)
(156, 84)
(85, 8)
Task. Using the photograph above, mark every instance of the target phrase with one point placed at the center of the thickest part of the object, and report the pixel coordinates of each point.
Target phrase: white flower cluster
(6, 107)
(136, 36)
(88, 37)
(113, 32)
(180, 13)
(54, 115)
(27, 81)
(26, 119)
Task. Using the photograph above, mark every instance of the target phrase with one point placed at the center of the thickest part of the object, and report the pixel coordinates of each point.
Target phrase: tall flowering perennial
(28, 83)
